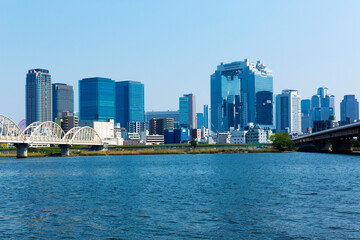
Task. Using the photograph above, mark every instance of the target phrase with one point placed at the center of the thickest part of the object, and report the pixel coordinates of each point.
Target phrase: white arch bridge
(39, 133)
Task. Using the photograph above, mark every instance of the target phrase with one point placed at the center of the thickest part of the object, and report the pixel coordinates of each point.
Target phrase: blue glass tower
(96, 99)
(206, 116)
(241, 92)
(200, 120)
(349, 108)
(130, 102)
(305, 115)
(63, 99)
(184, 112)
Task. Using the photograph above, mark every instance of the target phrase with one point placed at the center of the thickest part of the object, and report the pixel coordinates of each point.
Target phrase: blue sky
(174, 46)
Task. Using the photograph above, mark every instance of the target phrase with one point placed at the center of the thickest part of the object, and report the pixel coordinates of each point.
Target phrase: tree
(193, 143)
(281, 141)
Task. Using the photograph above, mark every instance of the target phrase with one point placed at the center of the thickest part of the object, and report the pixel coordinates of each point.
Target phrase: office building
(129, 102)
(200, 120)
(163, 114)
(305, 115)
(62, 99)
(288, 112)
(241, 92)
(238, 137)
(154, 139)
(38, 96)
(206, 116)
(195, 133)
(349, 109)
(136, 127)
(322, 105)
(176, 136)
(187, 111)
(67, 121)
(96, 99)
(158, 125)
(104, 128)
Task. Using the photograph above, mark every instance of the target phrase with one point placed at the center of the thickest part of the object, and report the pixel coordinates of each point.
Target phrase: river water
(216, 196)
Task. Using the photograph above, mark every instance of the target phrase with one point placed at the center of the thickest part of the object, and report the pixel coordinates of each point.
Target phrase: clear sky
(174, 46)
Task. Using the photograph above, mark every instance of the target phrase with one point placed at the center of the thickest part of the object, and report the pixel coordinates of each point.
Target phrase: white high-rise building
(288, 112)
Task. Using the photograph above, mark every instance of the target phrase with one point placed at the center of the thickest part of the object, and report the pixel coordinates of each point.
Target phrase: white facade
(105, 129)
(288, 112)
(238, 137)
(155, 139)
(256, 135)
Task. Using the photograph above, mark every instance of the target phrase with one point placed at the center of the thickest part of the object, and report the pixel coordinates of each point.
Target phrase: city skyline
(162, 47)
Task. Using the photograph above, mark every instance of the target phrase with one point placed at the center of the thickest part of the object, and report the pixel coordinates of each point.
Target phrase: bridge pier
(342, 146)
(65, 149)
(21, 150)
(322, 146)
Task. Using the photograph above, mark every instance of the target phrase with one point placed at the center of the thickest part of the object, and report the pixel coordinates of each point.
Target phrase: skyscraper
(200, 120)
(349, 108)
(241, 92)
(96, 99)
(187, 111)
(38, 96)
(305, 115)
(288, 112)
(130, 102)
(206, 116)
(322, 105)
(63, 99)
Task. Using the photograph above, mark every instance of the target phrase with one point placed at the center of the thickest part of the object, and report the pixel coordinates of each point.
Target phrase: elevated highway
(337, 140)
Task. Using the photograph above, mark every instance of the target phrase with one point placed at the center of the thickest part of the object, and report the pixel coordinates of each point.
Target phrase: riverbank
(54, 151)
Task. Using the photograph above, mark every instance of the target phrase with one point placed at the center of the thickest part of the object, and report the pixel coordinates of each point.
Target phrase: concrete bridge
(336, 140)
(39, 133)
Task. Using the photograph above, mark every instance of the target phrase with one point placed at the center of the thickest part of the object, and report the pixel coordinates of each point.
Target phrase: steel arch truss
(46, 132)
(83, 136)
(9, 131)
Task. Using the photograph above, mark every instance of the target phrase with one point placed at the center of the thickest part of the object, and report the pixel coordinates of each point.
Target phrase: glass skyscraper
(130, 102)
(206, 116)
(187, 111)
(322, 105)
(349, 109)
(305, 115)
(96, 99)
(38, 96)
(63, 99)
(200, 120)
(241, 92)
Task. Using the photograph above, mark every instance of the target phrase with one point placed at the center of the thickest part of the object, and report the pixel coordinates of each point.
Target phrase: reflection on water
(218, 196)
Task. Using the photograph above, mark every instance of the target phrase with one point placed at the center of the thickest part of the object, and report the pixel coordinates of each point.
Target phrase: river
(208, 196)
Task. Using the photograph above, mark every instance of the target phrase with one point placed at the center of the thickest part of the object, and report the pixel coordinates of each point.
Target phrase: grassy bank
(54, 151)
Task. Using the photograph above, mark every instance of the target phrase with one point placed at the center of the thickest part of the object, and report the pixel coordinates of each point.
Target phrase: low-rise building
(238, 137)
(176, 136)
(223, 138)
(154, 139)
(196, 133)
(256, 135)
